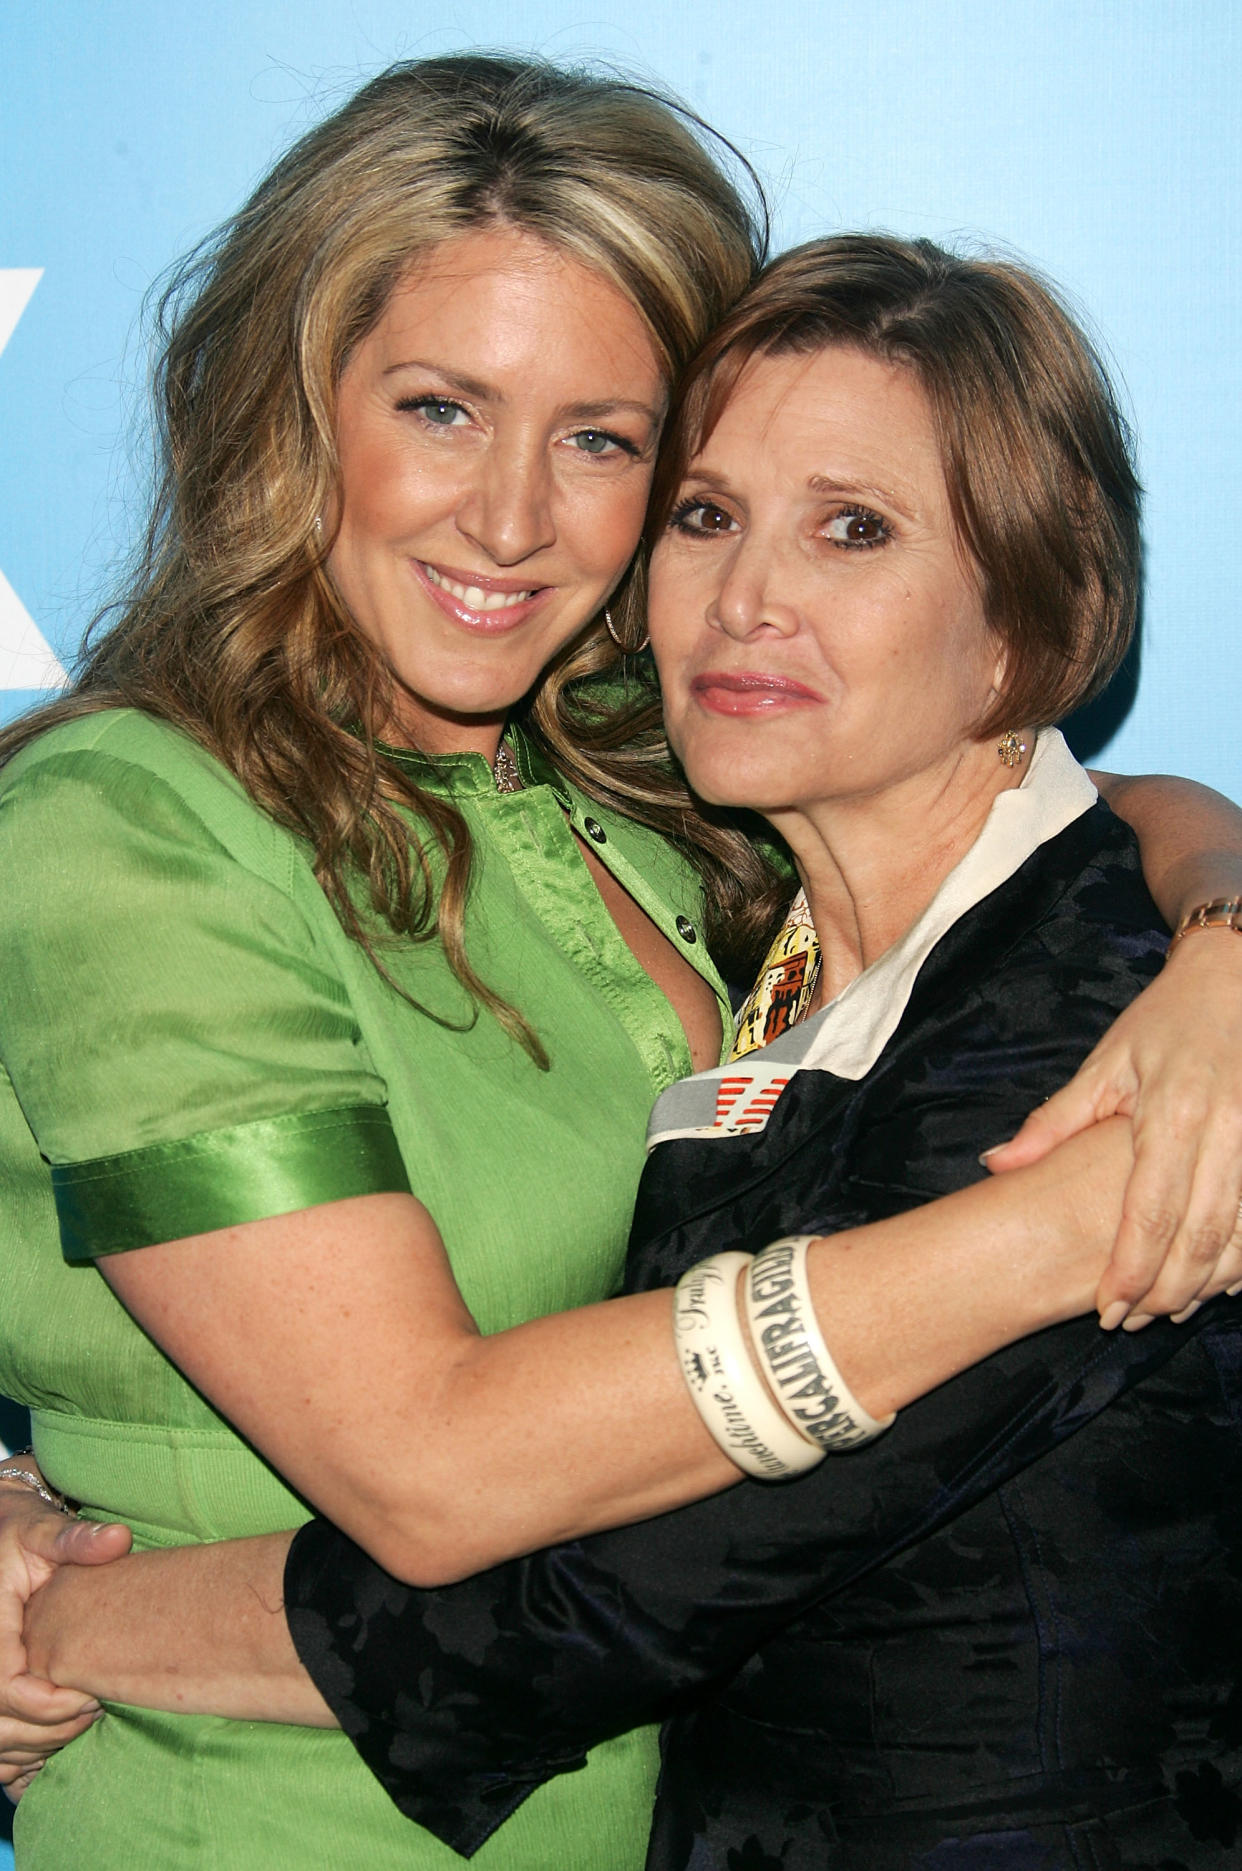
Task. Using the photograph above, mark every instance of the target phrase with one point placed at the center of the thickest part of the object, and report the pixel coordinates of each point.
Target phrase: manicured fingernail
(1187, 1312)
(1112, 1316)
(1137, 1321)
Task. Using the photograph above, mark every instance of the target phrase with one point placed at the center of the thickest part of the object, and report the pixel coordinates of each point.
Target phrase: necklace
(505, 771)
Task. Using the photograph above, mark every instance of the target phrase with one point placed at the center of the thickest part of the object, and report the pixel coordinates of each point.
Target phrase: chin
(740, 790)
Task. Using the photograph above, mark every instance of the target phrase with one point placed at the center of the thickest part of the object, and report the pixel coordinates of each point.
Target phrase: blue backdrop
(1101, 140)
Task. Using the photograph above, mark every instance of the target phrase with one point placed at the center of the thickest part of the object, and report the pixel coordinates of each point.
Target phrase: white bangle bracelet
(791, 1347)
(727, 1390)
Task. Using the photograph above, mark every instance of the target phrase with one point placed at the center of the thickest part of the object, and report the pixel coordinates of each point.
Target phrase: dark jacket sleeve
(463, 1699)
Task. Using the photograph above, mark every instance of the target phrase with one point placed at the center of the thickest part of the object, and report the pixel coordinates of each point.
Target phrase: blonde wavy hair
(230, 627)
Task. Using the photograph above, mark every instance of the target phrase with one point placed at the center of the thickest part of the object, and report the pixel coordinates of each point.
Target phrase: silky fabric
(1007, 1636)
(189, 1040)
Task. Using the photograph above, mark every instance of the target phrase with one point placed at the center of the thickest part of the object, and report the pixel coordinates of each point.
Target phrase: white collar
(847, 1036)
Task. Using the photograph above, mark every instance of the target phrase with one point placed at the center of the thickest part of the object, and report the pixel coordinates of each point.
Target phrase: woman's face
(819, 634)
(496, 432)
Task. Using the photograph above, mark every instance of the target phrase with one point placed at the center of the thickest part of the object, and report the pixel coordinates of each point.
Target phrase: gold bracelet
(1220, 913)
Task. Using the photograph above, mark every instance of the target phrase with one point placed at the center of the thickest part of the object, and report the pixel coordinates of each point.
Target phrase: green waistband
(173, 1486)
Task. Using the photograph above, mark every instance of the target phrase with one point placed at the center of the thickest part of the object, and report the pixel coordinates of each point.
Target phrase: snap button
(686, 929)
(595, 830)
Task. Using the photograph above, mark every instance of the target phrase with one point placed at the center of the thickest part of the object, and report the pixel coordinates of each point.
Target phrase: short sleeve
(181, 1045)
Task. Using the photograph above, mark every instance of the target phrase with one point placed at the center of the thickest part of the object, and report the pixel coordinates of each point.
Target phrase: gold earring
(1010, 749)
(625, 648)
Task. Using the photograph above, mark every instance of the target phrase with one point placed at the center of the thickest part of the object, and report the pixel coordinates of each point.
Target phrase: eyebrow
(469, 386)
(825, 485)
(488, 393)
(846, 490)
(598, 412)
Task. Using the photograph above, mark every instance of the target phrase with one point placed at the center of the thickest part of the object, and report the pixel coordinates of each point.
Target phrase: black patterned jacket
(1008, 1635)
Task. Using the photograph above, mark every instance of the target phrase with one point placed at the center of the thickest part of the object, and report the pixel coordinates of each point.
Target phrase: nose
(507, 507)
(747, 600)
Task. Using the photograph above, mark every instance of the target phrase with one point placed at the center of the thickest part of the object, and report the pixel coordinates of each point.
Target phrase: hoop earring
(1010, 749)
(626, 649)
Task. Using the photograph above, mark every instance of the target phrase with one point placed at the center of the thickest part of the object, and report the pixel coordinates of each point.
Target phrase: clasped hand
(36, 1718)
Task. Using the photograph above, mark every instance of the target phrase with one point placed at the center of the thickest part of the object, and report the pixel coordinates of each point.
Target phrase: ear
(1001, 667)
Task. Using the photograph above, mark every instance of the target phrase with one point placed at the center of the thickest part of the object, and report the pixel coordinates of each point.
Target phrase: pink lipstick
(480, 603)
(750, 692)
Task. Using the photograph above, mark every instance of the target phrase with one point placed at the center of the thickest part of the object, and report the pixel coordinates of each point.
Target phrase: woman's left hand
(1172, 1063)
(36, 1717)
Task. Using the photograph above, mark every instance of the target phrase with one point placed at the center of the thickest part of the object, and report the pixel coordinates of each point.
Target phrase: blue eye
(600, 443)
(440, 411)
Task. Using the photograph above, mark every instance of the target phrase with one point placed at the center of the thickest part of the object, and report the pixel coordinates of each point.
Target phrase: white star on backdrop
(27, 660)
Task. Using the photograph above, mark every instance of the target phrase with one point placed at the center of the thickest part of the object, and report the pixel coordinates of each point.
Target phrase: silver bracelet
(800, 1368)
(13, 1473)
(726, 1389)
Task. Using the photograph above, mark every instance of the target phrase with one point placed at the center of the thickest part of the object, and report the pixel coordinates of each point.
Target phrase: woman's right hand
(37, 1718)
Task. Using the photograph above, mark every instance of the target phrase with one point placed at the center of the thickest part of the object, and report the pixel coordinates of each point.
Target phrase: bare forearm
(905, 1303)
(1190, 838)
(337, 1342)
(195, 1630)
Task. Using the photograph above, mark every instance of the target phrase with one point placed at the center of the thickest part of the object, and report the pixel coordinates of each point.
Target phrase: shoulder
(1097, 896)
(1052, 956)
(110, 776)
(107, 750)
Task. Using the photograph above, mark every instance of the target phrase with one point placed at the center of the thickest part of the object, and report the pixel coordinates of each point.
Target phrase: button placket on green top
(683, 932)
(565, 898)
(583, 816)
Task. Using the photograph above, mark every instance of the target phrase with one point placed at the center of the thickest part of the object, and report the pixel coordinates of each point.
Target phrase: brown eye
(858, 526)
(701, 516)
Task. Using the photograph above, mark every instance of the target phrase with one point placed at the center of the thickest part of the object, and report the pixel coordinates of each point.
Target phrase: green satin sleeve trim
(222, 1178)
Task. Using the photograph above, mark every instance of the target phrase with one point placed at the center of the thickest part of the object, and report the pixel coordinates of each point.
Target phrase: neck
(438, 731)
(871, 865)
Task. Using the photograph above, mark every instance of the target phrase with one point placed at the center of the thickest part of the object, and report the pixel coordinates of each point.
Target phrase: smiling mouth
(475, 597)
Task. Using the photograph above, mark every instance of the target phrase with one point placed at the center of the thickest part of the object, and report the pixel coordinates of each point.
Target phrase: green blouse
(189, 1040)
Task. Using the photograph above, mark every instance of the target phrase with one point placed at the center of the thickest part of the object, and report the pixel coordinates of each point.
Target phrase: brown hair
(1036, 453)
(230, 627)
